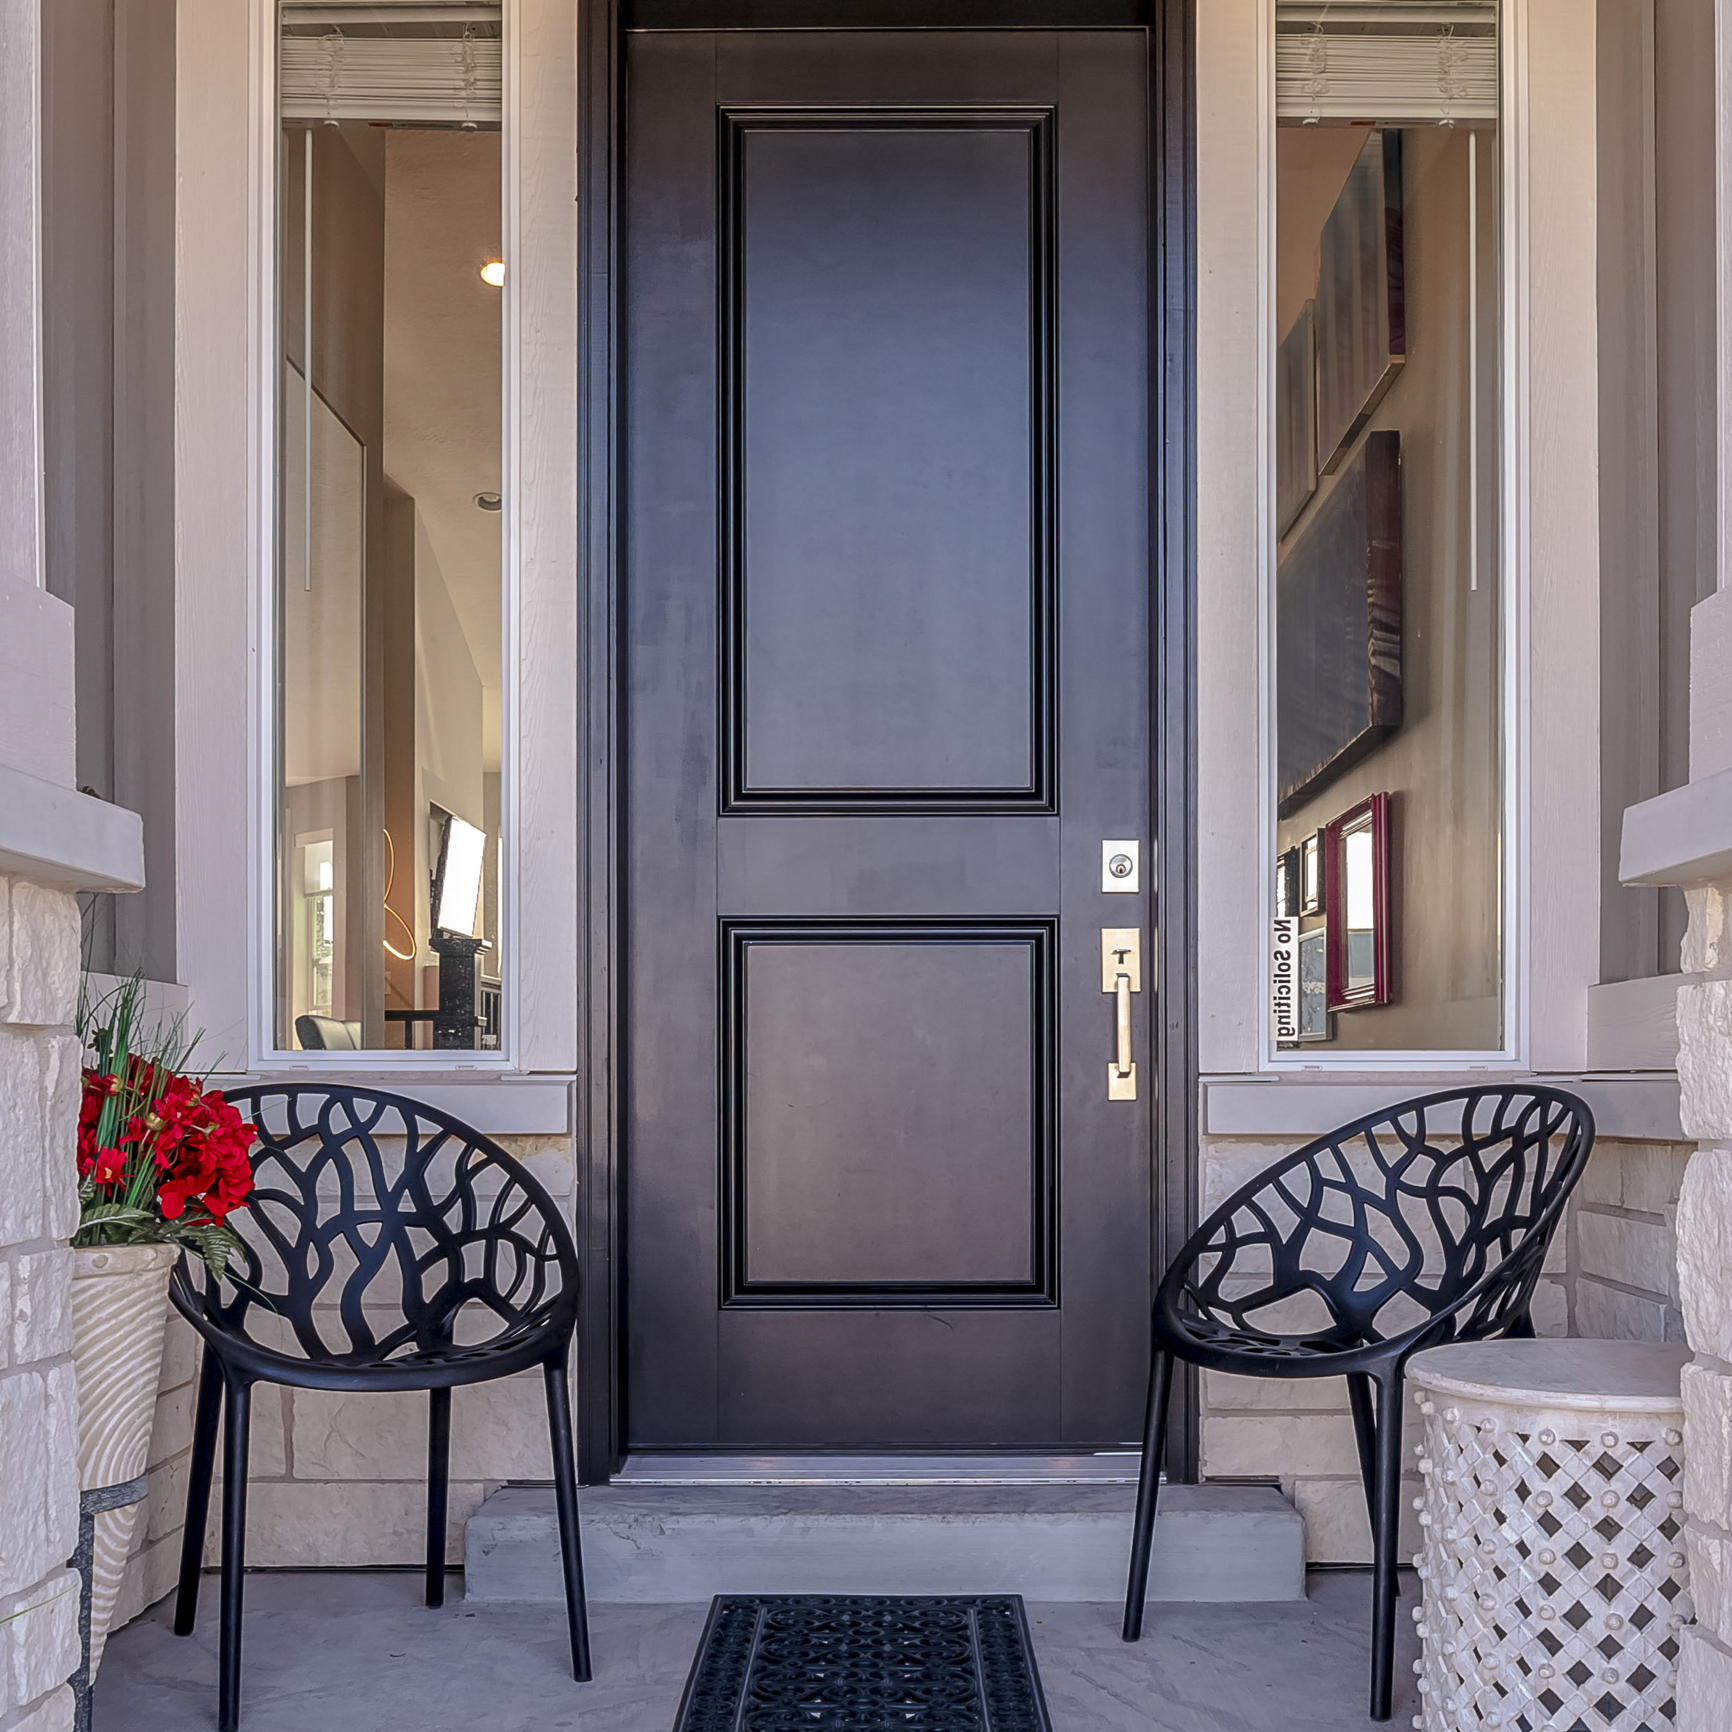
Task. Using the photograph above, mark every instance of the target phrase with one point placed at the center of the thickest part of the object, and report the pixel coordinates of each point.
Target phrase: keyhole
(1120, 865)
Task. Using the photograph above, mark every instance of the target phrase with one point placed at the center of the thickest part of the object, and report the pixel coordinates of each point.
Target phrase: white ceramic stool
(1554, 1575)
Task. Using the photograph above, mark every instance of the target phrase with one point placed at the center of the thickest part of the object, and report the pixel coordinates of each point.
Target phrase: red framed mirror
(1356, 878)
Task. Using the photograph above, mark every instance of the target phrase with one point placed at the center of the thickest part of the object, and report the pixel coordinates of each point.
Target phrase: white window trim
(1550, 560)
(225, 419)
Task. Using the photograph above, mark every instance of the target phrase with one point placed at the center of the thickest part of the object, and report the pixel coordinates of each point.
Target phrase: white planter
(119, 1314)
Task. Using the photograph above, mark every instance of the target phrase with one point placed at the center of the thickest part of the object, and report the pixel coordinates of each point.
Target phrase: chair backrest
(1391, 1222)
(375, 1220)
(327, 1034)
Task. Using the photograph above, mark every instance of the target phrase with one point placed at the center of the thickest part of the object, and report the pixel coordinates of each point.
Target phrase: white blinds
(1426, 61)
(373, 63)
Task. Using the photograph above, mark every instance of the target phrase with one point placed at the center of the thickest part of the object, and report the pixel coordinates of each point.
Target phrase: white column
(38, 988)
(53, 842)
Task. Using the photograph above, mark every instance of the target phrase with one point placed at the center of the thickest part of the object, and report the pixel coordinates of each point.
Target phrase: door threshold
(1103, 1467)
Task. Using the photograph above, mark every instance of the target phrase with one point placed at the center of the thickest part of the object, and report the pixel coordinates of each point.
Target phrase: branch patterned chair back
(1429, 1221)
(385, 1246)
(1424, 1223)
(376, 1224)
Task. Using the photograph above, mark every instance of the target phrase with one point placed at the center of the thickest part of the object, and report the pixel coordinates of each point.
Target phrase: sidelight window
(1387, 586)
(393, 502)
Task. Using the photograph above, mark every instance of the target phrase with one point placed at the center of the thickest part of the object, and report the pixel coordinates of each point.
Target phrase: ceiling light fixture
(493, 273)
(489, 501)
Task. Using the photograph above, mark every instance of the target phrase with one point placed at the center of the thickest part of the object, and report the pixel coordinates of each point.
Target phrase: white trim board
(1633, 1024)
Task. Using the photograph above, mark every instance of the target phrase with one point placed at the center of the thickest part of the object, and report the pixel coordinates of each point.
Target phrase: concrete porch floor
(357, 1652)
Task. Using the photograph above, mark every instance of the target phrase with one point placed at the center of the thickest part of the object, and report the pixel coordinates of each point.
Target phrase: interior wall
(1443, 764)
(448, 715)
(348, 372)
(447, 693)
(402, 820)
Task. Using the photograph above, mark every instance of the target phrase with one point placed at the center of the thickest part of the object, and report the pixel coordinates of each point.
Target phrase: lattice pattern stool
(1554, 1575)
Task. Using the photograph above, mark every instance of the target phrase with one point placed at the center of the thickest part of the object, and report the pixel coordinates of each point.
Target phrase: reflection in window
(389, 593)
(1387, 584)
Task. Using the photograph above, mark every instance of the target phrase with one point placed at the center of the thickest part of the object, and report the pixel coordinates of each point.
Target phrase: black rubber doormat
(846, 1663)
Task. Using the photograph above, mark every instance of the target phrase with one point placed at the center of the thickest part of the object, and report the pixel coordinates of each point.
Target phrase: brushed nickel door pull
(1121, 975)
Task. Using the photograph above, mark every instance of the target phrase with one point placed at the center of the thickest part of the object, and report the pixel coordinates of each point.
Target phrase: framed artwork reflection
(1338, 626)
(1287, 884)
(1313, 1007)
(1356, 875)
(1296, 419)
(1361, 298)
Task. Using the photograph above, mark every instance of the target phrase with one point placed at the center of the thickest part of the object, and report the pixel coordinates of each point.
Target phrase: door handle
(1121, 975)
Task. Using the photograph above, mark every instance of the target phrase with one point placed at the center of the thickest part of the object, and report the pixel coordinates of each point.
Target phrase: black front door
(887, 635)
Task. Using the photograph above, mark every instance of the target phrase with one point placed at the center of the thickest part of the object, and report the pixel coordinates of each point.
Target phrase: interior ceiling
(443, 365)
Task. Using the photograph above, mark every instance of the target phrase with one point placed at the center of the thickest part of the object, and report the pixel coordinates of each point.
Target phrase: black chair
(1425, 1223)
(387, 1247)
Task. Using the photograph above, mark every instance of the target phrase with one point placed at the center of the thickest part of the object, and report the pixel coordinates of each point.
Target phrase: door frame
(600, 886)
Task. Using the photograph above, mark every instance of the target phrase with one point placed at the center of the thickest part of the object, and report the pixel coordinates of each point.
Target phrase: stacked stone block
(39, 1088)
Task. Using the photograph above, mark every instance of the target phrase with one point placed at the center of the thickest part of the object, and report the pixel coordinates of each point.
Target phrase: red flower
(197, 1144)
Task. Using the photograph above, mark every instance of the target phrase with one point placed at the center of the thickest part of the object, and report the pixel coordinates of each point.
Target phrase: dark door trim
(1173, 655)
(600, 888)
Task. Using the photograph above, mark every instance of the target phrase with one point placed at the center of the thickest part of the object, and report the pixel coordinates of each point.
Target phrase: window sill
(1684, 837)
(1641, 1107)
(495, 1102)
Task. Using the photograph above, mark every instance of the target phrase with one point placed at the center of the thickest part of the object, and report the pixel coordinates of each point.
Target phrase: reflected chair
(327, 1034)
(386, 1246)
(1425, 1223)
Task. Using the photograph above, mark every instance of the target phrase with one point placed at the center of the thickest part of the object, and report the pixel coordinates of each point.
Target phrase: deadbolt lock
(1121, 867)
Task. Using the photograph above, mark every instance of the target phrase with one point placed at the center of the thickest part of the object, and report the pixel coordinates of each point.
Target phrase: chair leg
(240, 1400)
(204, 1440)
(1360, 1399)
(438, 1485)
(1148, 1490)
(1385, 1528)
(565, 1496)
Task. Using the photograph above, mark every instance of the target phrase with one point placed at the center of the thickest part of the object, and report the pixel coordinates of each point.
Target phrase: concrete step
(666, 1544)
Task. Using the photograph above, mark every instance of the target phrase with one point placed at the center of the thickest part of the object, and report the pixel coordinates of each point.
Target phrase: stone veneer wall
(39, 1084)
(1705, 1280)
(341, 1479)
(1611, 1272)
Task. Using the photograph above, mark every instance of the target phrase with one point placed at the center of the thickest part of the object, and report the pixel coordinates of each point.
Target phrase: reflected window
(1388, 595)
(389, 579)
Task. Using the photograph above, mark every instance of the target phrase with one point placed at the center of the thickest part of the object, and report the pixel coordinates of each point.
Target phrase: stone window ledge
(64, 840)
(1684, 837)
